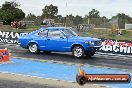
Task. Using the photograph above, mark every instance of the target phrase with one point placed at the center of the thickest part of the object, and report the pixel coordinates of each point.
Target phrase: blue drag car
(59, 39)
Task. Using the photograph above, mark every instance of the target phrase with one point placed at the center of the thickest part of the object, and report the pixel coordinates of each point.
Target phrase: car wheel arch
(32, 43)
(76, 45)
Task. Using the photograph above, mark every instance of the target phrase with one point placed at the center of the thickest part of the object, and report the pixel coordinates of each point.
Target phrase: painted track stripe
(70, 63)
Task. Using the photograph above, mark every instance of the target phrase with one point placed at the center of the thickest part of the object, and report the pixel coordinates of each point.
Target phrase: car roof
(49, 28)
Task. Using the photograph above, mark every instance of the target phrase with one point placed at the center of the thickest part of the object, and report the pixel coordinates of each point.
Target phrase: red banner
(4, 55)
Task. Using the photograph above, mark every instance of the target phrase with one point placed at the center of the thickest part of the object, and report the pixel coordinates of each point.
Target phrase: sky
(106, 8)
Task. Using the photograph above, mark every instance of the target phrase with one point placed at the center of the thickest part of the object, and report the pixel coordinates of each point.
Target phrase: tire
(33, 48)
(78, 51)
(90, 54)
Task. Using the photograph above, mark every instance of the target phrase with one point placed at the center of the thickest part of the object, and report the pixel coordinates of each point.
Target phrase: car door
(56, 41)
(41, 39)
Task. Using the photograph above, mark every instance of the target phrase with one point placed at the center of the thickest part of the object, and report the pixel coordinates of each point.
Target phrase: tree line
(10, 11)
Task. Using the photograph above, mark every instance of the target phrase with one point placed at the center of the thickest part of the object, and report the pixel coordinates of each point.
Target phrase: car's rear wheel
(33, 48)
(78, 51)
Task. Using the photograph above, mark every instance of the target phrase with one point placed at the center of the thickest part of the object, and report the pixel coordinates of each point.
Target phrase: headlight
(90, 42)
(100, 42)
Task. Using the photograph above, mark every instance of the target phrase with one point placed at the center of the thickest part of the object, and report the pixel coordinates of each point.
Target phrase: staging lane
(97, 60)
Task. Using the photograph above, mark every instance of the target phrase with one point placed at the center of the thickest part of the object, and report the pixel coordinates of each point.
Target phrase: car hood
(79, 38)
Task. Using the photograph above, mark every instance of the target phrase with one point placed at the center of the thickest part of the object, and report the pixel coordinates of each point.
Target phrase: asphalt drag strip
(99, 59)
(57, 71)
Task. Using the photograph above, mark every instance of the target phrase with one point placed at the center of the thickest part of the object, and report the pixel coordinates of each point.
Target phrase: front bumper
(95, 47)
(92, 48)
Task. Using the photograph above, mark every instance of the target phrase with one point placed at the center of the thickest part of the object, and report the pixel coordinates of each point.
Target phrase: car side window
(43, 33)
(55, 34)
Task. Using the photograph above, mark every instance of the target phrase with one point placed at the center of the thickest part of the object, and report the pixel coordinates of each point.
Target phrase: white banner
(111, 46)
(10, 37)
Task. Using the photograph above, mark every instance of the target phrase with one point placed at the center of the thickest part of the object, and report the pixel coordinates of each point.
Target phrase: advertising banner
(10, 37)
(117, 47)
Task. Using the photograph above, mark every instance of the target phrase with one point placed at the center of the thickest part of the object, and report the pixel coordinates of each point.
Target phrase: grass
(98, 33)
(8, 28)
(107, 34)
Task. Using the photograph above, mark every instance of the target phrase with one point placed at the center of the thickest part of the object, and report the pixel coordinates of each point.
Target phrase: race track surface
(99, 59)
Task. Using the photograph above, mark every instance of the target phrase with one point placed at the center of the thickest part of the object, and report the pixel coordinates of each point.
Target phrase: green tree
(49, 12)
(58, 19)
(10, 12)
(86, 19)
(31, 16)
(70, 20)
(122, 19)
(94, 14)
(77, 20)
(94, 18)
(104, 19)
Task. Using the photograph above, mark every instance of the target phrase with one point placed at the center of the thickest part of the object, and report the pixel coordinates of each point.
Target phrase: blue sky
(107, 8)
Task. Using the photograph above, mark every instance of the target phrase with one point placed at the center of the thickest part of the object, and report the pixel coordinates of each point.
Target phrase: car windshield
(69, 32)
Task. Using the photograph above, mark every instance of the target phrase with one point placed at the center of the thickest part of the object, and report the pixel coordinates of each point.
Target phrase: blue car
(59, 39)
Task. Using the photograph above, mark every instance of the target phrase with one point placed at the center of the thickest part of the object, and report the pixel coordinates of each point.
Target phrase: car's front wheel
(78, 51)
(90, 54)
(33, 48)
